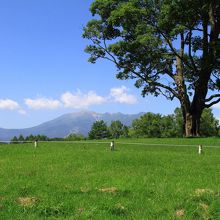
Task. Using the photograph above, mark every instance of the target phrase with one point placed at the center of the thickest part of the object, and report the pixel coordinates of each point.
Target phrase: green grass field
(87, 181)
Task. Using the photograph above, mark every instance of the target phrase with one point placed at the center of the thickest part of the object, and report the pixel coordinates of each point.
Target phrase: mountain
(64, 125)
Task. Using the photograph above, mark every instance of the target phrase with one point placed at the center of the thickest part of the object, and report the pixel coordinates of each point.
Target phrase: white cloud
(9, 104)
(79, 100)
(42, 103)
(121, 95)
(76, 100)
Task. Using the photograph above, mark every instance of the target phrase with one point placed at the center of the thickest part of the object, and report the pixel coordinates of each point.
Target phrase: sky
(44, 69)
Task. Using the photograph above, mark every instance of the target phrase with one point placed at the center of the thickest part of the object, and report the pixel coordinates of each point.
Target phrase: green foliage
(169, 128)
(99, 130)
(169, 47)
(138, 36)
(117, 129)
(41, 138)
(14, 140)
(30, 138)
(209, 124)
(21, 138)
(148, 125)
(178, 119)
(155, 125)
(75, 137)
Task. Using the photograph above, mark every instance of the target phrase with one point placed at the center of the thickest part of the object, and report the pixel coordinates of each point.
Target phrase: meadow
(142, 179)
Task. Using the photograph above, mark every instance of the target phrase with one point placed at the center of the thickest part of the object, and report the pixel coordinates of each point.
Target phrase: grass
(87, 181)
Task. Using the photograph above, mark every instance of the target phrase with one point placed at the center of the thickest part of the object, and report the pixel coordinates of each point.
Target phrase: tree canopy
(156, 125)
(99, 130)
(169, 47)
(117, 129)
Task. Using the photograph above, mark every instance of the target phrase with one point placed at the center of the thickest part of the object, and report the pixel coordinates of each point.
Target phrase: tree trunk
(191, 121)
(192, 124)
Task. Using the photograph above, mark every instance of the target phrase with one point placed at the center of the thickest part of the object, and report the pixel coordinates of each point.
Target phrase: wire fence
(109, 141)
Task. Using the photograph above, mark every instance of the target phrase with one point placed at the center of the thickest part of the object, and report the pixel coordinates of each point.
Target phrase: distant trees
(156, 125)
(209, 124)
(37, 137)
(14, 140)
(99, 130)
(30, 138)
(21, 138)
(75, 137)
(148, 125)
(117, 129)
(169, 127)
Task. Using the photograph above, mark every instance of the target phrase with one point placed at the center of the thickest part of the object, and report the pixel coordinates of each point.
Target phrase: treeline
(148, 125)
(30, 138)
(154, 125)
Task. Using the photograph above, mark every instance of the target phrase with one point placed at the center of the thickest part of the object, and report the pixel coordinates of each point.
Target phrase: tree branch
(168, 96)
(112, 59)
(174, 50)
(158, 84)
(190, 51)
(212, 103)
(212, 97)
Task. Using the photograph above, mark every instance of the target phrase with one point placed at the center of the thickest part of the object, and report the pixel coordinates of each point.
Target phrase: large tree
(156, 125)
(209, 124)
(148, 125)
(99, 130)
(169, 47)
(117, 129)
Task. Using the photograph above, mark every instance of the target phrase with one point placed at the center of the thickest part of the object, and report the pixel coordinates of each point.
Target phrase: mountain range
(79, 123)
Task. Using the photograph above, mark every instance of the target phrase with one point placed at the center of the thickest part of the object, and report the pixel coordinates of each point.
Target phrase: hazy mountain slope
(69, 123)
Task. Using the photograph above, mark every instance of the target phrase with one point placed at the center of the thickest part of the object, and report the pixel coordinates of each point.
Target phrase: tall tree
(209, 124)
(168, 47)
(117, 129)
(148, 125)
(99, 130)
(21, 138)
(14, 140)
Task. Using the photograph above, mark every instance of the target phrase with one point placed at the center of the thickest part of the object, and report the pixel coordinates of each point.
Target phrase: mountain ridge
(78, 122)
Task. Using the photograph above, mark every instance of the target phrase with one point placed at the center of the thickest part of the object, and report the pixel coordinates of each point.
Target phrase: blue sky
(44, 69)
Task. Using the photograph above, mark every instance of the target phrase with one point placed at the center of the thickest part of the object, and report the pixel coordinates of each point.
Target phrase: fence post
(112, 146)
(200, 151)
(36, 143)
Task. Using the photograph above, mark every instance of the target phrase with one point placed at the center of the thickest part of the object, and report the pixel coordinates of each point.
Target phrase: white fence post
(36, 143)
(200, 149)
(112, 146)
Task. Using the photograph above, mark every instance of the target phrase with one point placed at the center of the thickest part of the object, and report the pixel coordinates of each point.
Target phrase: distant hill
(64, 125)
